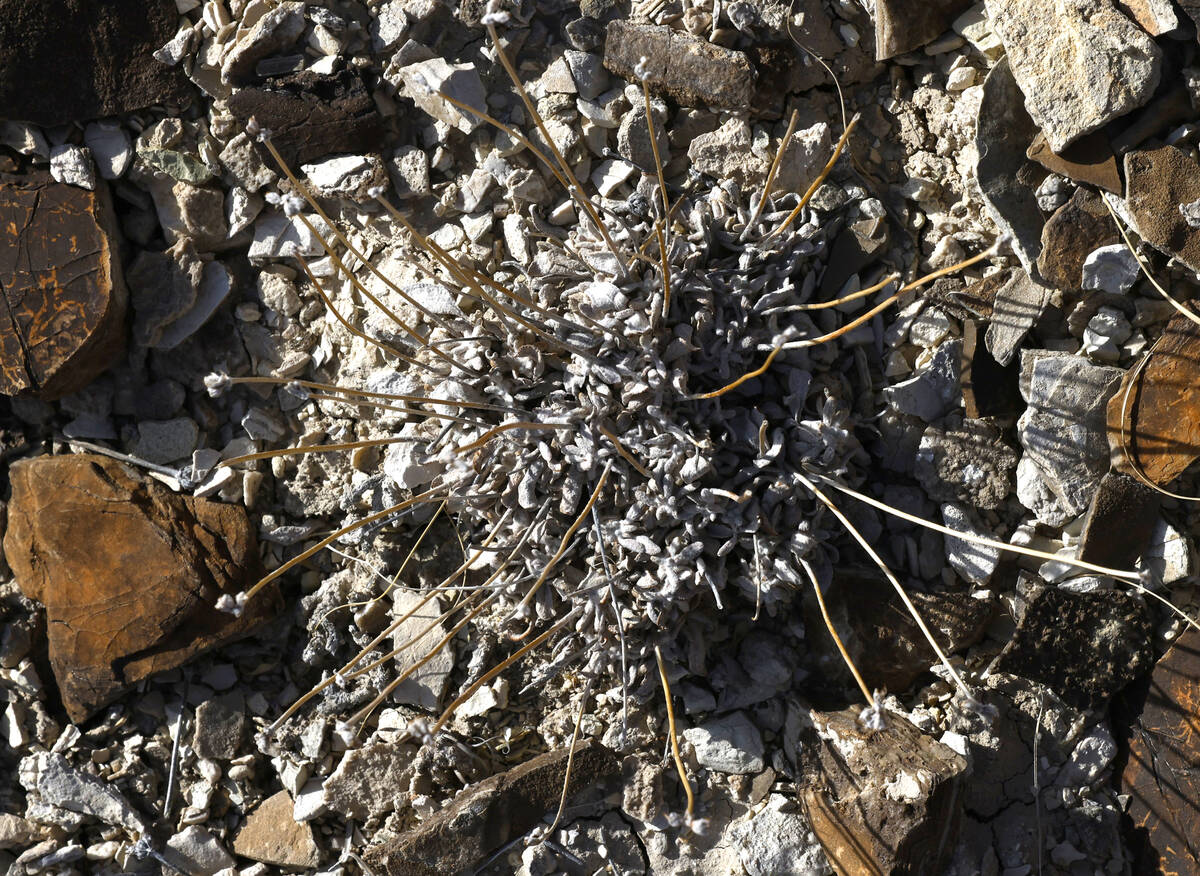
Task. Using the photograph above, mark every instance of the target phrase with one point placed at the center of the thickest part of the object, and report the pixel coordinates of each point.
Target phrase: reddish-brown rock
(1158, 181)
(61, 280)
(128, 571)
(1154, 417)
(272, 835)
(1089, 159)
(1162, 775)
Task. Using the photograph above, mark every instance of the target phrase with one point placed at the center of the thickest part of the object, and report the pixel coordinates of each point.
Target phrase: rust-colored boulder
(128, 571)
(1154, 417)
(61, 280)
(1162, 775)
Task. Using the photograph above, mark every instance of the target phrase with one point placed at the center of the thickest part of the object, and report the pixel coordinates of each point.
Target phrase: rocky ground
(591, 442)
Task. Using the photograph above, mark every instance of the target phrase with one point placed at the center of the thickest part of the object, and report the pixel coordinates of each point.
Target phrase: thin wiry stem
(314, 448)
(345, 241)
(365, 393)
(508, 427)
(621, 449)
(886, 303)
(370, 646)
(366, 521)
(774, 169)
(562, 800)
(666, 684)
(503, 665)
(354, 330)
(466, 279)
(816, 183)
(612, 593)
(853, 296)
(396, 578)
(405, 327)
(837, 640)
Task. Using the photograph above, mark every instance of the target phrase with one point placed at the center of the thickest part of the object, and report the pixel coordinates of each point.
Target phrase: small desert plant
(624, 442)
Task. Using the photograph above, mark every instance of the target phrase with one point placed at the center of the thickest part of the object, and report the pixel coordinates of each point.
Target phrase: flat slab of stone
(1079, 63)
(81, 59)
(1083, 646)
(128, 571)
(272, 835)
(60, 276)
(1019, 305)
(1063, 431)
(689, 69)
(1159, 181)
(1089, 159)
(1003, 133)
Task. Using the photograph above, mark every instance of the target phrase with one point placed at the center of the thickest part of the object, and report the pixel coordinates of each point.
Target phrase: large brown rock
(73, 60)
(1157, 182)
(128, 571)
(61, 280)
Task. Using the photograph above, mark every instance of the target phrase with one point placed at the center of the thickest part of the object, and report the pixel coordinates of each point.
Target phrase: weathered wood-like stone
(1162, 775)
(880, 801)
(128, 571)
(60, 276)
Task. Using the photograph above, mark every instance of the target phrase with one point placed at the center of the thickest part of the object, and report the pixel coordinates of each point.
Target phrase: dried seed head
(217, 383)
